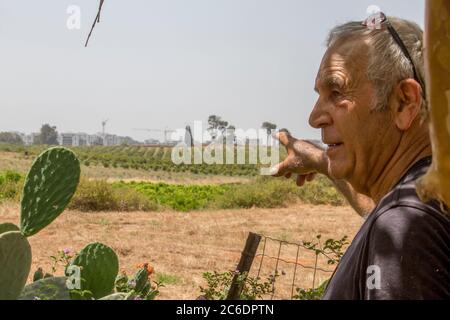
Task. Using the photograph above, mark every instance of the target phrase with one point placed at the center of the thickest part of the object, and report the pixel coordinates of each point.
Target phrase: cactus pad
(53, 288)
(99, 267)
(49, 186)
(141, 279)
(5, 227)
(15, 264)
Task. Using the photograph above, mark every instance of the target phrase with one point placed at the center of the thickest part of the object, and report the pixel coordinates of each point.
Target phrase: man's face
(353, 133)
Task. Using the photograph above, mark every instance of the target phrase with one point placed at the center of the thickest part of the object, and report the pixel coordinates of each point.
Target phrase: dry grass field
(181, 246)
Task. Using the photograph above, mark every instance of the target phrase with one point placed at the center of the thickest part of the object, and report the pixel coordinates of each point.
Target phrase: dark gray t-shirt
(401, 250)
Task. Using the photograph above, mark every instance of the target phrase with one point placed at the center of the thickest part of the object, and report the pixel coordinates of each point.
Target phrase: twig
(97, 19)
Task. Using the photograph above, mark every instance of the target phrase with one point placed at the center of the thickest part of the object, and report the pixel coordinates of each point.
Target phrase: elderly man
(369, 109)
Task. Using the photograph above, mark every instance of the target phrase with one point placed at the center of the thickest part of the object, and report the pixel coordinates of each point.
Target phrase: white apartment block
(83, 139)
(80, 139)
(29, 139)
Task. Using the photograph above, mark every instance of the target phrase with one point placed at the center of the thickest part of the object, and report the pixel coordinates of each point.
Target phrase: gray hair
(387, 63)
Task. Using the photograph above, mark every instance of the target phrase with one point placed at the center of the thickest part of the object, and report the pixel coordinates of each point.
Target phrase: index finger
(284, 136)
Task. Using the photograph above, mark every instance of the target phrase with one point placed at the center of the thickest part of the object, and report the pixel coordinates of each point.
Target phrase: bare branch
(97, 19)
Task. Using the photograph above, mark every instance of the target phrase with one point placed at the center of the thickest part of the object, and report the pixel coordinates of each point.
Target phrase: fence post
(245, 263)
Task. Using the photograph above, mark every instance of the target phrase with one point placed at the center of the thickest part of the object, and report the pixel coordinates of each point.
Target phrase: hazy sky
(158, 63)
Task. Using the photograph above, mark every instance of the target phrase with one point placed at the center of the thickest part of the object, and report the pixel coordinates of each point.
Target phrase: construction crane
(165, 131)
(103, 126)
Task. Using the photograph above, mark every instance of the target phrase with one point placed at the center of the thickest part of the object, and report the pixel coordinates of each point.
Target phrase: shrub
(99, 195)
(11, 184)
(218, 285)
(320, 191)
(268, 192)
(266, 195)
(262, 192)
(178, 197)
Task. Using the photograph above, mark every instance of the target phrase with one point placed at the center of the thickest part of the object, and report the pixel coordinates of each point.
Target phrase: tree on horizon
(48, 135)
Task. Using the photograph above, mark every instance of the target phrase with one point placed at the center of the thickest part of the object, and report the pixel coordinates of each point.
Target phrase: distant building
(152, 141)
(84, 139)
(110, 140)
(29, 139)
(81, 139)
(66, 139)
(94, 140)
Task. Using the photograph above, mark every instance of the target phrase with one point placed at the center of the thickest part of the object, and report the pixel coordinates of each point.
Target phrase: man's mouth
(333, 146)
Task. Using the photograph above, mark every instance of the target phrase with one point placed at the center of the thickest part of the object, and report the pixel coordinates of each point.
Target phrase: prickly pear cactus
(15, 264)
(140, 279)
(5, 227)
(38, 274)
(53, 288)
(99, 267)
(146, 289)
(49, 186)
(121, 283)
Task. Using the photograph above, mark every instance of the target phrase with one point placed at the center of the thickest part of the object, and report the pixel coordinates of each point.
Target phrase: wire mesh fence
(290, 266)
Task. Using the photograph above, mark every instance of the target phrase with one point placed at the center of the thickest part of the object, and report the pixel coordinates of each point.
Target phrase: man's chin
(336, 170)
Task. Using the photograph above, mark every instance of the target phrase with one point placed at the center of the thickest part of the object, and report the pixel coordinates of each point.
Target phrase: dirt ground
(181, 246)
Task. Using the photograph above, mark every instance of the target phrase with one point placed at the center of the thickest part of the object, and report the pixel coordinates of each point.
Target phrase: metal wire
(263, 255)
(276, 270)
(292, 262)
(295, 272)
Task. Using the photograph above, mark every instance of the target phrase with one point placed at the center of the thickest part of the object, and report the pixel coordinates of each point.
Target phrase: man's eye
(336, 93)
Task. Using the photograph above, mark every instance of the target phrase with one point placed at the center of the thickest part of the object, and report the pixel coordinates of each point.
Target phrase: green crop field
(152, 158)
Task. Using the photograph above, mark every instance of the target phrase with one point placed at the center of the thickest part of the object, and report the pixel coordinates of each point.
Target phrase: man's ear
(407, 101)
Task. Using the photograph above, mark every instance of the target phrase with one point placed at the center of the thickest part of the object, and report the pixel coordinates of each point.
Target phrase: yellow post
(436, 183)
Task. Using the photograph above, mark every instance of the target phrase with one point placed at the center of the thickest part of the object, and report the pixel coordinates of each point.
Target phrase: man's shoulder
(410, 246)
(405, 220)
(403, 202)
(402, 213)
(412, 222)
(409, 241)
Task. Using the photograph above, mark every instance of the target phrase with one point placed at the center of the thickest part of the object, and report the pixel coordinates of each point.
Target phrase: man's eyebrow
(333, 81)
(329, 82)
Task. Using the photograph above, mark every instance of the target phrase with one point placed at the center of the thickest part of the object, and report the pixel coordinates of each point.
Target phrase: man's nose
(319, 116)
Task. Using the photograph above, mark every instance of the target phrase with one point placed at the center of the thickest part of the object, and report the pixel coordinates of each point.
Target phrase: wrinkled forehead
(345, 60)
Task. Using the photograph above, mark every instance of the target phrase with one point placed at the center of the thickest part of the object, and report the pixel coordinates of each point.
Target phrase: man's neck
(401, 161)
